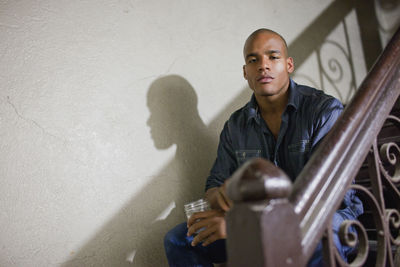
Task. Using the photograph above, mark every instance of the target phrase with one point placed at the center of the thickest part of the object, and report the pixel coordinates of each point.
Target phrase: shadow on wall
(135, 234)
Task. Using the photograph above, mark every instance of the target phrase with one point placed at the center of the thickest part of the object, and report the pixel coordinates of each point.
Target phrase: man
(283, 122)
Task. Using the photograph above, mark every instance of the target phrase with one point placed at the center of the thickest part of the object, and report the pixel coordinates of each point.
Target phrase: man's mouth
(265, 79)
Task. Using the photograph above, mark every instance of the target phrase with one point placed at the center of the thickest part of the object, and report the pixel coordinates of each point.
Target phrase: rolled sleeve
(225, 164)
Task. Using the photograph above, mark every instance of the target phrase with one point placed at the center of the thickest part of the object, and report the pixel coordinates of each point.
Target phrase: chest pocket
(298, 154)
(244, 155)
(302, 146)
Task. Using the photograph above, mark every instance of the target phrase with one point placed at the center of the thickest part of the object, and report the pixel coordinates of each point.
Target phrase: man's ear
(244, 72)
(290, 64)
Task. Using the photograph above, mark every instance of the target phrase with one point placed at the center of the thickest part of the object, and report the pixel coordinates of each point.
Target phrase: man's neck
(273, 104)
(272, 108)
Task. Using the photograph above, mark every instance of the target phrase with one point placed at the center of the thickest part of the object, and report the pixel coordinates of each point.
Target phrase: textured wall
(110, 113)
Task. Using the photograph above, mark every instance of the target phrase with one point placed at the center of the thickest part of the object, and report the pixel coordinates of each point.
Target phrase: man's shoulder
(240, 117)
(315, 98)
(311, 92)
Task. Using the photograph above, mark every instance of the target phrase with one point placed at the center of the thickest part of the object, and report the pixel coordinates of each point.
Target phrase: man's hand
(218, 198)
(213, 222)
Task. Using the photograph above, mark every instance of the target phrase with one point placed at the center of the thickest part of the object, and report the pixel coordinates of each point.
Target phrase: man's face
(267, 66)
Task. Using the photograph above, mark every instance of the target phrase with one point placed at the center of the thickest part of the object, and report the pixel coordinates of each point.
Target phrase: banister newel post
(262, 227)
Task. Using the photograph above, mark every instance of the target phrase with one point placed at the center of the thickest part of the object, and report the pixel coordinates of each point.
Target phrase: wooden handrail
(301, 214)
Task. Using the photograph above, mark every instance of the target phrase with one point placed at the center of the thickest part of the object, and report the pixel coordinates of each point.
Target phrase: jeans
(180, 253)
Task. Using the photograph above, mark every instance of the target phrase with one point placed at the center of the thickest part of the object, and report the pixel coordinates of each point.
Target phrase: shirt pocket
(243, 155)
(298, 154)
(302, 146)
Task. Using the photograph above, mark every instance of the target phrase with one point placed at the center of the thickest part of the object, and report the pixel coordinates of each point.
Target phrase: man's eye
(274, 57)
(252, 60)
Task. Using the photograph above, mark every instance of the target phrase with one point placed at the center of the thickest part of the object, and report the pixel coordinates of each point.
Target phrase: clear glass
(196, 206)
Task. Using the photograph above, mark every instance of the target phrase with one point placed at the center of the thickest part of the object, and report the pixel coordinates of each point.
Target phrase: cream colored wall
(110, 113)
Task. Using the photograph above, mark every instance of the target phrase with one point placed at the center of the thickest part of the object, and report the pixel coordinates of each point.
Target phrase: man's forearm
(211, 196)
(218, 199)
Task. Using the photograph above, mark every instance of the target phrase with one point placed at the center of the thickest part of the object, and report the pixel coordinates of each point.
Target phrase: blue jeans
(180, 253)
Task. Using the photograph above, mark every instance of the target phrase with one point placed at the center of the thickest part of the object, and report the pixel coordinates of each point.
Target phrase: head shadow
(174, 117)
(174, 120)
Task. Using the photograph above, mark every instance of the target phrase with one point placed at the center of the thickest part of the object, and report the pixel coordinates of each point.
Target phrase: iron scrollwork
(377, 244)
(335, 63)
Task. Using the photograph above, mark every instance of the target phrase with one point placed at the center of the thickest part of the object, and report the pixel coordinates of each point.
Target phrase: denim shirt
(308, 117)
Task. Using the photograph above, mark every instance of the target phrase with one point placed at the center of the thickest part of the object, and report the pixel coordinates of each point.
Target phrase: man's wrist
(217, 198)
(211, 196)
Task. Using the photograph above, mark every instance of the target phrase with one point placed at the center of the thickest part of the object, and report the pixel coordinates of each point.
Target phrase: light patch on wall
(164, 214)
(131, 256)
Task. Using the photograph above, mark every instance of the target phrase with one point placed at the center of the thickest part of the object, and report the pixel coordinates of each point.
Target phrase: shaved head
(261, 31)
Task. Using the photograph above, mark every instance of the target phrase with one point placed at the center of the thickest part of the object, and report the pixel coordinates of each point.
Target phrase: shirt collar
(294, 95)
(251, 108)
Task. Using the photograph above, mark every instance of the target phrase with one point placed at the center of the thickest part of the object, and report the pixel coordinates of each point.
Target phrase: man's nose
(264, 64)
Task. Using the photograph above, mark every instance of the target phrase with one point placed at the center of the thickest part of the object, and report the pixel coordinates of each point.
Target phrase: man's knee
(343, 250)
(176, 236)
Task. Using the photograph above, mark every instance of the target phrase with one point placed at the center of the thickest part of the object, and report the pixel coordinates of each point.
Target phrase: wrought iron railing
(276, 223)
